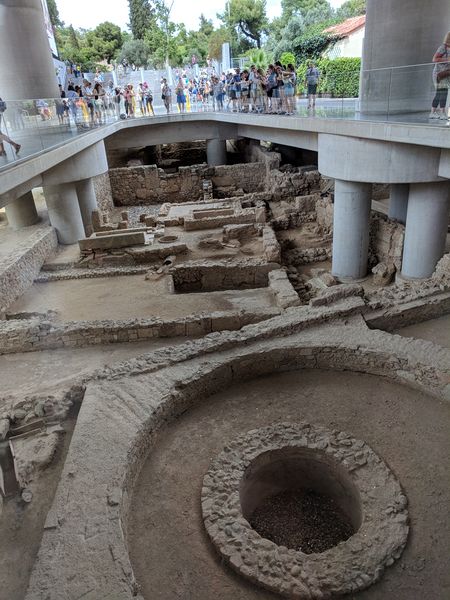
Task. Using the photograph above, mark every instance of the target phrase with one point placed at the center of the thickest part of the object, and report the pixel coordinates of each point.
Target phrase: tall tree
(105, 41)
(311, 10)
(248, 17)
(54, 14)
(351, 8)
(141, 17)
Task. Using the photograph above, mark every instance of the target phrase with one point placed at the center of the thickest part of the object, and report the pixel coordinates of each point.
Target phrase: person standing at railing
(166, 96)
(86, 92)
(441, 78)
(312, 81)
(3, 137)
(72, 100)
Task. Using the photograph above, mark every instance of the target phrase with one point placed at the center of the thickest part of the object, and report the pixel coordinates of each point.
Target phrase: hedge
(339, 77)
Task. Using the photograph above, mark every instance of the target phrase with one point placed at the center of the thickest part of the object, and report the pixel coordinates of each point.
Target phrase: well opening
(300, 498)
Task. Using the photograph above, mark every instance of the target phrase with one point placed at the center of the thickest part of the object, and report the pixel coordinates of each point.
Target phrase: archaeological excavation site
(225, 376)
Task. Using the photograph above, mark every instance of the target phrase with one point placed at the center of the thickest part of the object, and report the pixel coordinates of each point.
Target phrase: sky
(89, 13)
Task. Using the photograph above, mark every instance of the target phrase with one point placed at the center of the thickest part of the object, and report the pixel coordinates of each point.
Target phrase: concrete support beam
(64, 212)
(90, 162)
(26, 67)
(426, 228)
(352, 202)
(398, 202)
(374, 161)
(22, 212)
(216, 152)
(88, 202)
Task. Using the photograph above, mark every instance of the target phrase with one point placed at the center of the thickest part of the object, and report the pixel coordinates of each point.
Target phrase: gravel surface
(134, 212)
(301, 520)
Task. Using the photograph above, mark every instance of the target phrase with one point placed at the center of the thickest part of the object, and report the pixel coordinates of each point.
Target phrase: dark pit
(300, 498)
(301, 520)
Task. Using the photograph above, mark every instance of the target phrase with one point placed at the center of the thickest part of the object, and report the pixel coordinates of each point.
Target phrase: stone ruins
(192, 368)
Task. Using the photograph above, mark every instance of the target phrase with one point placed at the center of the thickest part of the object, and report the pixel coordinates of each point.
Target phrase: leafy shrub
(339, 77)
(287, 58)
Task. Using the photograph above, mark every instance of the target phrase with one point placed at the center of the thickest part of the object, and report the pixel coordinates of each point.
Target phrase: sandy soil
(33, 372)
(22, 525)
(131, 296)
(170, 551)
(434, 330)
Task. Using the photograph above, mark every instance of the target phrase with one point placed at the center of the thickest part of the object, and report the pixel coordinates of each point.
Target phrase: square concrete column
(398, 202)
(64, 212)
(426, 228)
(22, 212)
(88, 202)
(216, 152)
(351, 222)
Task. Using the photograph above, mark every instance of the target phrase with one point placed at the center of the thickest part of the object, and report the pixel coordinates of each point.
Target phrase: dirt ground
(22, 524)
(171, 554)
(434, 330)
(33, 372)
(131, 296)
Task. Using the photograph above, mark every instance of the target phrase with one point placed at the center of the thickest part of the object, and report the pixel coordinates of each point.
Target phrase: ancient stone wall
(386, 240)
(28, 335)
(19, 269)
(150, 185)
(250, 177)
(102, 186)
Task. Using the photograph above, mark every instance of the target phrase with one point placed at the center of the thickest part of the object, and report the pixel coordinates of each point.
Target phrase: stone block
(112, 241)
(124, 215)
(383, 274)
(123, 225)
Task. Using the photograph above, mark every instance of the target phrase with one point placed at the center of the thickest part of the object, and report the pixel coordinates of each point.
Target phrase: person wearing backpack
(312, 81)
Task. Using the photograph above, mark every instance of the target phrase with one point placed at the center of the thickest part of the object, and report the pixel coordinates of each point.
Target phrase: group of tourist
(272, 90)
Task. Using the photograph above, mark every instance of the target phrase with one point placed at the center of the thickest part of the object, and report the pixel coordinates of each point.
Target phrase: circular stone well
(283, 478)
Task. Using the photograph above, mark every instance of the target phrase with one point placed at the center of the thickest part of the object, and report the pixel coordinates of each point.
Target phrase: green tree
(311, 10)
(142, 16)
(215, 41)
(54, 14)
(135, 52)
(351, 8)
(104, 41)
(247, 17)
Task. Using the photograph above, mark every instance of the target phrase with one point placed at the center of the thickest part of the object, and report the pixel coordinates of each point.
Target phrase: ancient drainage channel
(304, 511)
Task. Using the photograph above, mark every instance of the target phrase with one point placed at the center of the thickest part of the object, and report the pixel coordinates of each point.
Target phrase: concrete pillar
(399, 33)
(88, 202)
(64, 212)
(398, 202)
(22, 212)
(26, 67)
(216, 152)
(426, 228)
(352, 202)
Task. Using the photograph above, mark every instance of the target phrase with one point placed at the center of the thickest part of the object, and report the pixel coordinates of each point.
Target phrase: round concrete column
(26, 67)
(399, 33)
(351, 220)
(426, 228)
(64, 212)
(398, 202)
(216, 152)
(87, 201)
(22, 212)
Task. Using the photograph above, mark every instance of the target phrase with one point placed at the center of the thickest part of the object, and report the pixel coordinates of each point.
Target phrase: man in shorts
(237, 90)
(312, 81)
